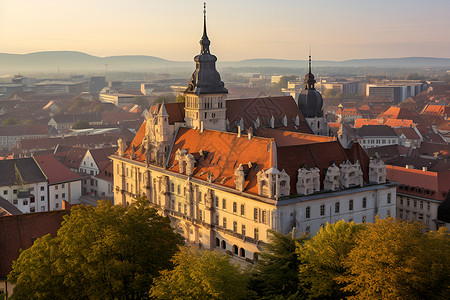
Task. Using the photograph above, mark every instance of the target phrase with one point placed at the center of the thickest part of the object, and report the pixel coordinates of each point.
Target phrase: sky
(284, 29)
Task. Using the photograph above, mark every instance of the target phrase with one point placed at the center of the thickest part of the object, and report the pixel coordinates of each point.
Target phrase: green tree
(165, 99)
(103, 252)
(200, 274)
(276, 273)
(180, 99)
(284, 81)
(141, 101)
(9, 121)
(392, 259)
(81, 124)
(322, 259)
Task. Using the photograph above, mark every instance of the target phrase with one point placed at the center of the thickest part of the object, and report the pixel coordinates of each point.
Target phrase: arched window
(224, 204)
(242, 252)
(336, 207)
(235, 250)
(308, 212)
(350, 205)
(217, 242)
(224, 245)
(364, 202)
(235, 226)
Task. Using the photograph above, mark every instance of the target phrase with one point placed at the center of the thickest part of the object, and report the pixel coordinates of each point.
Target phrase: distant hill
(78, 61)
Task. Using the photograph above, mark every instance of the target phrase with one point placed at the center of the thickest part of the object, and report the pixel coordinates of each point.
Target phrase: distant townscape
(232, 161)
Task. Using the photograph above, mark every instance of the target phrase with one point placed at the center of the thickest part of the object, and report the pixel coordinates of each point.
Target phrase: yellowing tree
(103, 252)
(200, 275)
(392, 259)
(322, 259)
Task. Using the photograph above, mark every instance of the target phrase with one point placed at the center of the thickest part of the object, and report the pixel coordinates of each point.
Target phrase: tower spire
(309, 63)
(204, 42)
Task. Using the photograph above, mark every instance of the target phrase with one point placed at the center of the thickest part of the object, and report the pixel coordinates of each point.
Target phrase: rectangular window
(264, 217)
(57, 205)
(216, 220)
(364, 203)
(389, 198)
(242, 209)
(308, 212)
(322, 210)
(56, 187)
(15, 201)
(421, 205)
(56, 196)
(415, 203)
(234, 207)
(243, 230)
(42, 188)
(5, 192)
(256, 234)
(255, 214)
(14, 191)
(63, 195)
(62, 185)
(42, 198)
(217, 202)
(428, 206)
(224, 204)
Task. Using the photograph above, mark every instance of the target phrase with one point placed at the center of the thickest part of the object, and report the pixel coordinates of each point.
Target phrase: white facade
(371, 142)
(67, 191)
(35, 199)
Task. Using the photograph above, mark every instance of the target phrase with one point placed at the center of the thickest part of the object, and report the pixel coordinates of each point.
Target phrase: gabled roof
(400, 113)
(20, 171)
(7, 208)
(74, 157)
(174, 110)
(409, 133)
(429, 135)
(399, 123)
(251, 109)
(55, 171)
(100, 156)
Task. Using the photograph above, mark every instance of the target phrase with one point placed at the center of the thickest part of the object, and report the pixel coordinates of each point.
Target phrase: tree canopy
(322, 259)
(276, 273)
(200, 274)
(392, 259)
(103, 252)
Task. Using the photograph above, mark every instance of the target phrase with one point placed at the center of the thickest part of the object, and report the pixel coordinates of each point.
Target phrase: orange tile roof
(436, 110)
(361, 122)
(399, 123)
(223, 153)
(290, 138)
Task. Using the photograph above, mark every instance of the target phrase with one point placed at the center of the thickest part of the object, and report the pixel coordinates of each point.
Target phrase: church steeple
(204, 42)
(206, 93)
(309, 78)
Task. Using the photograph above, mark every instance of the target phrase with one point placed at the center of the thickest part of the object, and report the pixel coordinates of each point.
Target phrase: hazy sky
(171, 29)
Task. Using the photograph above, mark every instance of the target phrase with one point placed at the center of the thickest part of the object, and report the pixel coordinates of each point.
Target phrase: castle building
(227, 171)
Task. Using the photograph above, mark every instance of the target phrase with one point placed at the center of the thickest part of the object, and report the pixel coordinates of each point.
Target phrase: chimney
(201, 126)
(409, 166)
(239, 131)
(250, 133)
(424, 169)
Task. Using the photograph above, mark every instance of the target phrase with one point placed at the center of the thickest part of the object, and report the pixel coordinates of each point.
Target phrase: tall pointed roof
(310, 101)
(163, 111)
(205, 79)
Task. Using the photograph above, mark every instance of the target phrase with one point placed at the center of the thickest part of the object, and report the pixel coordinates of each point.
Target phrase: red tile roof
(400, 113)
(437, 182)
(55, 171)
(100, 156)
(409, 133)
(399, 123)
(436, 110)
(361, 122)
(74, 157)
(174, 110)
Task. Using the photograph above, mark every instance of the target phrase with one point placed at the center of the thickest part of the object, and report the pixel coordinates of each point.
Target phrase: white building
(23, 184)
